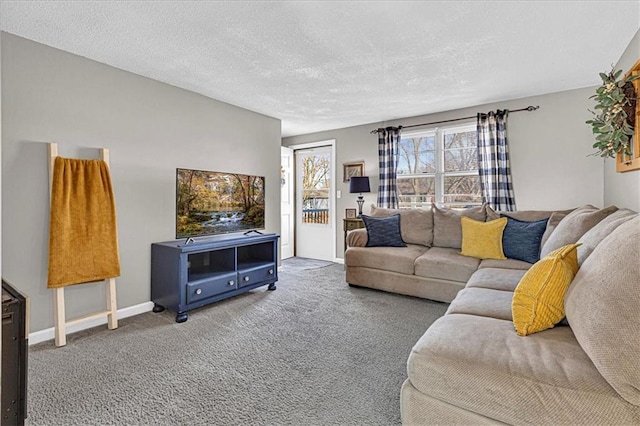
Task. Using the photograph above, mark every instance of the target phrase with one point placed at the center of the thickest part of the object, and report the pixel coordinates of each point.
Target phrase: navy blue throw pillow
(521, 240)
(383, 231)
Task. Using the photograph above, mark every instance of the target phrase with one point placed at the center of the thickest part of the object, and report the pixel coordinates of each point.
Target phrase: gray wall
(623, 189)
(549, 150)
(150, 129)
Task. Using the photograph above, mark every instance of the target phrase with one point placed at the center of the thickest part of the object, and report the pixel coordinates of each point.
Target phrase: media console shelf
(188, 276)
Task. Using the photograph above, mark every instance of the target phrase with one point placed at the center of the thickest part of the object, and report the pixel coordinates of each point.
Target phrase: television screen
(214, 203)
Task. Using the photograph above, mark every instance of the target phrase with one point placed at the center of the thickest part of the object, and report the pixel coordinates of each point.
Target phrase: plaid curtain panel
(388, 140)
(493, 161)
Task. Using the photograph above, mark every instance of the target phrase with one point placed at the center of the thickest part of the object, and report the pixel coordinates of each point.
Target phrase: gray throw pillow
(553, 221)
(447, 227)
(574, 226)
(383, 231)
(416, 225)
(595, 235)
(523, 215)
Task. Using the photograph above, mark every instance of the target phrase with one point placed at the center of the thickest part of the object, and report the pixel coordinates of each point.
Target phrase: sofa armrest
(357, 238)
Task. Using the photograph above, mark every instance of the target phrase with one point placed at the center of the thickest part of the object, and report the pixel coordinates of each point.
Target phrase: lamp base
(360, 202)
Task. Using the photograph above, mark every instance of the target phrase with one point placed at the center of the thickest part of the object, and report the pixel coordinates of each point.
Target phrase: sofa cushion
(479, 364)
(484, 302)
(595, 235)
(602, 307)
(417, 408)
(521, 240)
(505, 264)
(447, 228)
(416, 225)
(552, 223)
(482, 239)
(445, 264)
(532, 216)
(395, 259)
(411, 285)
(383, 231)
(554, 217)
(496, 279)
(538, 301)
(524, 215)
(574, 226)
(357, 238)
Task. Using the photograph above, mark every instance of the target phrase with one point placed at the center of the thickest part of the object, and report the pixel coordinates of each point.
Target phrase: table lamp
(359, 184)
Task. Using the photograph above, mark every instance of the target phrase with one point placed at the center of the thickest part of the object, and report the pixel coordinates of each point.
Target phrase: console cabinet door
(203, 289)
(253, 276)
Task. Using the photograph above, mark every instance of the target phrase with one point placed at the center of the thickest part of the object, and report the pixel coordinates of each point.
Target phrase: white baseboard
(49, 333)
(339, 260)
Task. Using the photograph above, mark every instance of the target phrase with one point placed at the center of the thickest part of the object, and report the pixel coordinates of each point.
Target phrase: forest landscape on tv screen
(210, 203)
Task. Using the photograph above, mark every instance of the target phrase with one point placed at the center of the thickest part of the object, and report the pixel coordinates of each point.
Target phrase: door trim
(333, 212)
(290, 206)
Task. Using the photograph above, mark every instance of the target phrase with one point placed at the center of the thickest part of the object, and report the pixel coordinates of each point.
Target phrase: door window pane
(316, 186)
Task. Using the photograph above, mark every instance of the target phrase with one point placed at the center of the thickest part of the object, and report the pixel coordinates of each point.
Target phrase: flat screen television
(209, 203)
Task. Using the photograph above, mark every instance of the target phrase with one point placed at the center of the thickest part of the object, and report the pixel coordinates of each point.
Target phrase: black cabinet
(187, 276)
(14, 355)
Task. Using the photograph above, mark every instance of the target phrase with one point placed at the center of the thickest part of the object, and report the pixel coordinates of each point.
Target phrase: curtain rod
(529, 108)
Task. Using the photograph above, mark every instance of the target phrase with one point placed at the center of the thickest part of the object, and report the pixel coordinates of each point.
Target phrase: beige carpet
(313, 352)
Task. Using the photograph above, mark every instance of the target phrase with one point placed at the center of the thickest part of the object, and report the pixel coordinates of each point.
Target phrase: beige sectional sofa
(470, 366)
(429, 266)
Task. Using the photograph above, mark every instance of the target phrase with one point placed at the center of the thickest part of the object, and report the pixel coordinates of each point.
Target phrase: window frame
(440, 174)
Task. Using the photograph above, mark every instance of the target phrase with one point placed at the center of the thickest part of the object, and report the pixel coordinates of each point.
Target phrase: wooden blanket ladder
(60, 320)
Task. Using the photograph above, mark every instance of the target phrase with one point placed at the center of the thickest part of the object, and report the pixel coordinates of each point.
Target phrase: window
(439, 166)
(316, 186)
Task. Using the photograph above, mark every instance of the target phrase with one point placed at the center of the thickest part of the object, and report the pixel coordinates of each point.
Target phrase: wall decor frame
(627, 163)
(352, 169)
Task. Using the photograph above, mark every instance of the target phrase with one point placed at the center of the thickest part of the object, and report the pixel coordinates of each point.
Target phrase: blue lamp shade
(359, 184)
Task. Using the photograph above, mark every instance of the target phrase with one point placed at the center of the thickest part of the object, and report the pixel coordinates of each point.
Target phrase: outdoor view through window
(316, 187)
(439, 166)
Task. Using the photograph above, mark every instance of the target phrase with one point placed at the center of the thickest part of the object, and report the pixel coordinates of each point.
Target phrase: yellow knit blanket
(83, 237)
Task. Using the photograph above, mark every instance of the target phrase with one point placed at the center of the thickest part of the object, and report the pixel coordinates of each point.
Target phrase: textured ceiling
(326, 65)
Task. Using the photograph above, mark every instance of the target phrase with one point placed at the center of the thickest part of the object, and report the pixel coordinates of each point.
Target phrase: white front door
(287, 211)
(314, 203)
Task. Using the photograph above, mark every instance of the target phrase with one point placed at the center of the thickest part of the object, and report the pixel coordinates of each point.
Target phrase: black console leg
(157, 308)
(272, 286)
(182, 317)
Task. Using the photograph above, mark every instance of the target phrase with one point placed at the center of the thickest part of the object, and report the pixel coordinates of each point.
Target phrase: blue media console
(188, 276)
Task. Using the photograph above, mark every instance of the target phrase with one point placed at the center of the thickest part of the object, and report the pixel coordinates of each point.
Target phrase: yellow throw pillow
(482, 239)
(538, 301)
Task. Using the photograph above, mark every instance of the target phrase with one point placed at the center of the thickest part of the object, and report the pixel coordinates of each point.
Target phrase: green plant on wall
(611, 123)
